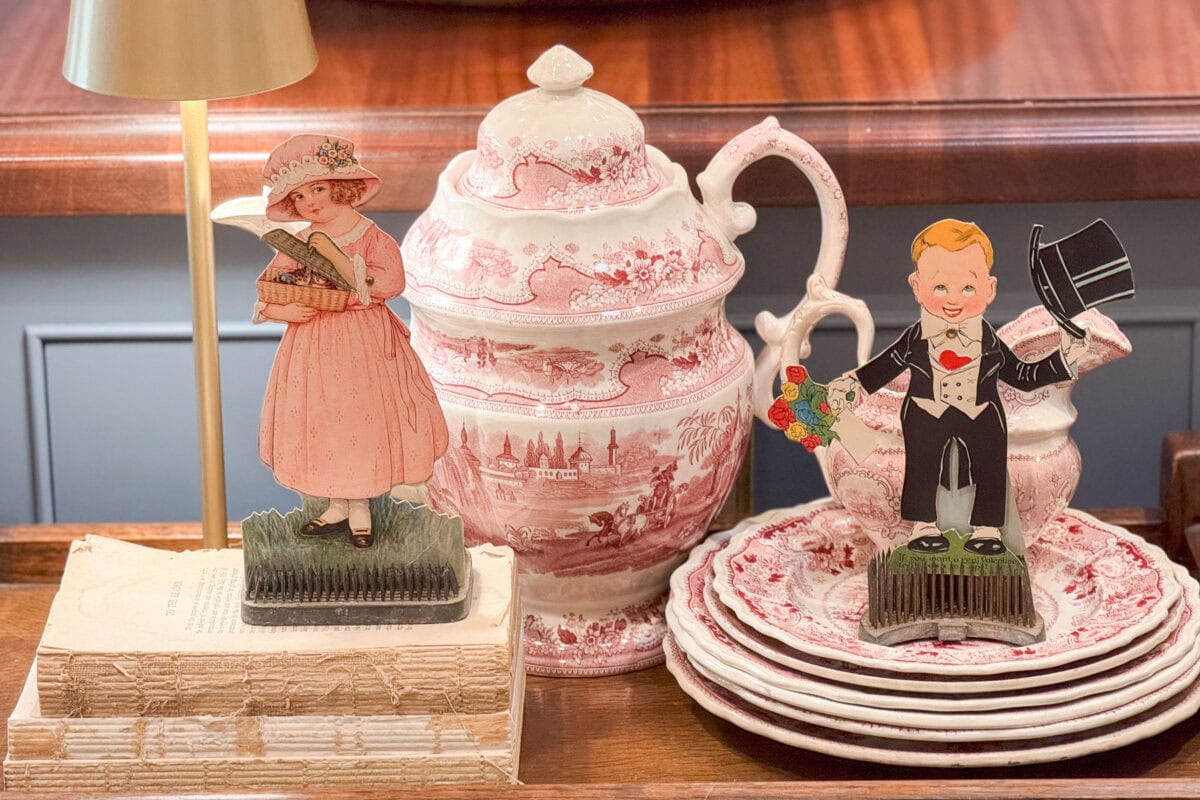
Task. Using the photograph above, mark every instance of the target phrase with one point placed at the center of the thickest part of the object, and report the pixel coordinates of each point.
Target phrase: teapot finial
(560, 69)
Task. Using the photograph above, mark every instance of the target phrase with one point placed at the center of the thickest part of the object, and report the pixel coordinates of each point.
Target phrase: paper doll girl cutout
(953, 423)
(349, 411)
(349, 420)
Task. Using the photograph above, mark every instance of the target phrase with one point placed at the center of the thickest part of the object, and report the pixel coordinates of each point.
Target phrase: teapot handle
(787, 338)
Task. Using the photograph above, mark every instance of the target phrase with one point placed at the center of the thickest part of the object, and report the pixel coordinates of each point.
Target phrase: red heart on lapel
(952, 360)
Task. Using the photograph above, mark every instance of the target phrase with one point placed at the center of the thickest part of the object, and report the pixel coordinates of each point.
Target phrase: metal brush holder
(417, 571)
(949, 600)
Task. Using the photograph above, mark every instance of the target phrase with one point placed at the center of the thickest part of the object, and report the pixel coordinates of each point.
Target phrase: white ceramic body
(598, 539)
(598, 399)
(1043, 461)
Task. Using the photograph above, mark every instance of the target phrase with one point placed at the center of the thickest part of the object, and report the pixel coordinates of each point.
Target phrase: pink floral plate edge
(692, 618)
(866, 726)
(857, 747)
(917, 656)
(915, 682)
(1066, 717)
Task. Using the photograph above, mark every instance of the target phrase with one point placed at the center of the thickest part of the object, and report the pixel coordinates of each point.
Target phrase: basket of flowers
(282, 286)
(316, 282)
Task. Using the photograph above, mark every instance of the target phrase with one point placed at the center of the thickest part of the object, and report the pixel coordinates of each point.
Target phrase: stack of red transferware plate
(764, 633)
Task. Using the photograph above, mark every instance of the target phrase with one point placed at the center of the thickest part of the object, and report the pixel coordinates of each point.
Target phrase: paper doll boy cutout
(350, 412)
(955, 361)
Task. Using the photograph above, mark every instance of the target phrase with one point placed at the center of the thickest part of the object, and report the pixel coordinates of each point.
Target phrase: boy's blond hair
(953, 235)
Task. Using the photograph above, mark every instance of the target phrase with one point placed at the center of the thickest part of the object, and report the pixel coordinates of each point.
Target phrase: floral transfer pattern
(638, 271)
(871, 491)
(573, 644)
(443, 256)
(648, 369)
(548, 176)
(698, 626)
(554, 279)
(1035, 333)
(701, 355)
(1109, 586)
(1163, 708)
(1043, 483)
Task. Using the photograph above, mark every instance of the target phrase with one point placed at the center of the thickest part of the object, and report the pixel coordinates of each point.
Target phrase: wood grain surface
(912, 101)
(640, 736)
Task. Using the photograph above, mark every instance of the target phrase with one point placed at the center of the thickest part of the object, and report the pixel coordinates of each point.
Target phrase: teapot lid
(560, 147)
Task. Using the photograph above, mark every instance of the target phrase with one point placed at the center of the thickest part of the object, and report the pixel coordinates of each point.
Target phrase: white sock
(337, 510)
(360, 515)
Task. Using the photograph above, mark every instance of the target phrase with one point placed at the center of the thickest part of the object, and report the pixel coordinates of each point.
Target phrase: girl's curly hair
(342, 192)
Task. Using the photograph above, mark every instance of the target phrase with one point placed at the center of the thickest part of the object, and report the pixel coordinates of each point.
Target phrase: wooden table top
(640, 736)
(912, 101)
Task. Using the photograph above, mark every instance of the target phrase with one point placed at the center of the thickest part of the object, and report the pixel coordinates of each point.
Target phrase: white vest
(956, 387)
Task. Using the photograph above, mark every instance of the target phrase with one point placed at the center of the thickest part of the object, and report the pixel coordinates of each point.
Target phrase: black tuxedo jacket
(997, 363)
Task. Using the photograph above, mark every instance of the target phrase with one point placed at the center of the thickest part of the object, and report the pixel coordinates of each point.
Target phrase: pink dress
(350, 411)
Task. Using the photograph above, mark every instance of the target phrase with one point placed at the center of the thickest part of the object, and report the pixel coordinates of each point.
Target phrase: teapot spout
(1035, 333)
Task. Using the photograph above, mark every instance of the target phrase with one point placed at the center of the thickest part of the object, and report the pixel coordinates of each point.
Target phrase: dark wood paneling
(930, 101)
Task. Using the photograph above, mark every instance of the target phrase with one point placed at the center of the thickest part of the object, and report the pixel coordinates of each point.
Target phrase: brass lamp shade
(187, 49)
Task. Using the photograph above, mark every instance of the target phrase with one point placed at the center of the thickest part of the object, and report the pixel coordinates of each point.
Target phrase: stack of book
(146, 679)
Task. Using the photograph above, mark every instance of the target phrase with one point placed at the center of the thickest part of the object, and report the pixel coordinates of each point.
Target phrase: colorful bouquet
(802, 412)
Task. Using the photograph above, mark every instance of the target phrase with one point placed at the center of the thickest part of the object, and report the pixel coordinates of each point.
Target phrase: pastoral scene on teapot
(593, 499)
(610, 370)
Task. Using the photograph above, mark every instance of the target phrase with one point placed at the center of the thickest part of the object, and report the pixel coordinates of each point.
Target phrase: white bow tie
(951, 334)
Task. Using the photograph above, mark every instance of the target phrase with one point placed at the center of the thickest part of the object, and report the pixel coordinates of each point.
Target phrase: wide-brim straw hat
(310, 157)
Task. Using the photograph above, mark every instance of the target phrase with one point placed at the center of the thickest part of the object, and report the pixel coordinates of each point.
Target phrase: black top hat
(1079, 271)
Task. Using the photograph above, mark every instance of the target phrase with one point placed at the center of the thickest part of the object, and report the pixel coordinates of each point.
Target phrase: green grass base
(956, 560)
(403, 534)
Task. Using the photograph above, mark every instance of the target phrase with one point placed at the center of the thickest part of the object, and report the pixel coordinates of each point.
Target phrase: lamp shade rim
(210, 50)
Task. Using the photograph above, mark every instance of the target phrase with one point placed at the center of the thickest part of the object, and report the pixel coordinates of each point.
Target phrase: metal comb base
(949, 599)
(416, 570)
(416, 594)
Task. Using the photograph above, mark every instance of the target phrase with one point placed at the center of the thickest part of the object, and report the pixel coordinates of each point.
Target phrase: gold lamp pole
(193, 51)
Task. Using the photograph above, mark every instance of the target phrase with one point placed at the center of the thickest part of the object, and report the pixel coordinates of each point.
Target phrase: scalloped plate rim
(1171, 592)
(749, 720)
(681, 619)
